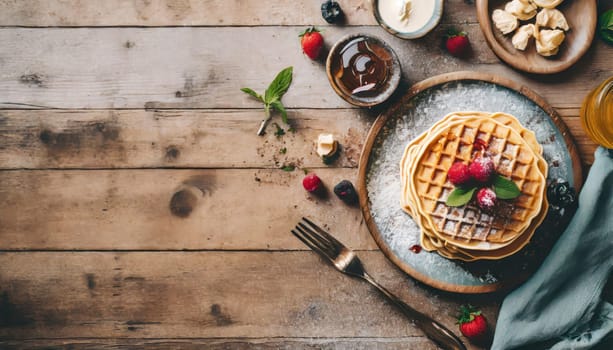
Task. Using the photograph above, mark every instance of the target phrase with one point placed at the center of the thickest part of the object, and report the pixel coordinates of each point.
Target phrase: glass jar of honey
(597, 114)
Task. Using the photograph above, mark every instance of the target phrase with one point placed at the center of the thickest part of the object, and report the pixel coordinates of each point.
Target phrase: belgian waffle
(467, 233)
(468, 226)
(432, 242)
(503, 118)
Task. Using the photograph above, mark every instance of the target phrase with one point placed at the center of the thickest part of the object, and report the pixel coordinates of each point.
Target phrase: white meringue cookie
(523, 35)
(548, 41)
(548, 4)
(552, 18)
(504, 21)
(522, 9)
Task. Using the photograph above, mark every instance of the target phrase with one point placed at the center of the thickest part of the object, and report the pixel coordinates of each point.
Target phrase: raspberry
(346, 192)
(481, 169)
(311, 182)
(486, 199)
(458, 174)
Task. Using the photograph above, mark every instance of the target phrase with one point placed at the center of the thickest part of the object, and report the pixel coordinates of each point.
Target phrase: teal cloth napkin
(560, 306)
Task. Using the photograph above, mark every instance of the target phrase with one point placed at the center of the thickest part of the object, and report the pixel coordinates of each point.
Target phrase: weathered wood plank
(188, 138)
(174, 138)
(185, 68)
(207, 294)
(224, 344)
(169, 209)
(420, 343)
(41, 13)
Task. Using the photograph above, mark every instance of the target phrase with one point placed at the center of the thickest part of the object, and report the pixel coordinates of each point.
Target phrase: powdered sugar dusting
(383, 179)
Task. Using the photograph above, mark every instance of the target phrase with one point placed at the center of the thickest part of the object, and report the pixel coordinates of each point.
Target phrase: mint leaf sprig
(503, 187)
(605, 26)
(272, 96)
(460, 196)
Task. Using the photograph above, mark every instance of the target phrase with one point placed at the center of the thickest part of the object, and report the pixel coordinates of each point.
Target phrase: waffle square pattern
(467, 232)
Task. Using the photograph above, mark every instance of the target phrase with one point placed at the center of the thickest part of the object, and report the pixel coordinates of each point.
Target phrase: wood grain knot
(95, 134)
(135, 325)
(192, 189)
(12, 315)
(32, 79)
(182, 203)
(91, 281)
(172, 153)
(221, 319)
(60, 140)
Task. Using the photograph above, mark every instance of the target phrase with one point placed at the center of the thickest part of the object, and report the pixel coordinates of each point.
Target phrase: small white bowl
(418, 33)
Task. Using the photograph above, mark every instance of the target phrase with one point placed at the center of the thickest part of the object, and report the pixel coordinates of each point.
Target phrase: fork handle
(433, 330)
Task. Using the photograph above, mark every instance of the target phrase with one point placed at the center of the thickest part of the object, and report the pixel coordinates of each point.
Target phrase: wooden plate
(581, 17)
(379, 175)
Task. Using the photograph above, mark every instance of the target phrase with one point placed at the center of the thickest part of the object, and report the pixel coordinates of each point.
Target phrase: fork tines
(317, 239)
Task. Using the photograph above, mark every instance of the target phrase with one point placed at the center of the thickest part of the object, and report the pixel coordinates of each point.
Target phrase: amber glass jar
(597, 114)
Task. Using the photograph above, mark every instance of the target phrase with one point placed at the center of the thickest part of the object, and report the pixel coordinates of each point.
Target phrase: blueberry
(561, 194)
(346, 192)
(331, 11)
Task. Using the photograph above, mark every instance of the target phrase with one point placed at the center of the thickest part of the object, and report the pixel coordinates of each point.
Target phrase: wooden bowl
(581, 17)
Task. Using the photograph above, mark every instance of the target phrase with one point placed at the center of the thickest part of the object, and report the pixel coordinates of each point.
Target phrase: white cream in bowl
(408, 19)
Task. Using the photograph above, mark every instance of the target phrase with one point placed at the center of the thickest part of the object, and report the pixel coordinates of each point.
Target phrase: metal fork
(346, 261)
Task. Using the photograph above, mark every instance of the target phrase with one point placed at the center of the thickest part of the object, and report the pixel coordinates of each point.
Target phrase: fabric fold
(560, 306)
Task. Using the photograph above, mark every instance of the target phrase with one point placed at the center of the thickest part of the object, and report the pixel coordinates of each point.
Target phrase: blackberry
(562, 204)
(331, 11)
(558, 217)
(560, 194)
(346, 192)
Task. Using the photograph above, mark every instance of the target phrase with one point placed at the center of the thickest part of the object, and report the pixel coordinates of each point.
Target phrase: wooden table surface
(139, 208)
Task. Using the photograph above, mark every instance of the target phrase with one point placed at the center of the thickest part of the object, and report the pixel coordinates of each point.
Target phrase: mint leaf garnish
(606, 27)
(279, 107)
(460, 196)
(252, 93)
(278, 87)
(272, 96)
(504, 188)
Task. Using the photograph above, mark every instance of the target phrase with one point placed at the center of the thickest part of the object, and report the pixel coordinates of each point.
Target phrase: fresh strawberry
(482, 168)
(457, 43)
(486, 199)
(472, 324)
(312, 42)
(458, 174)
(311, 182)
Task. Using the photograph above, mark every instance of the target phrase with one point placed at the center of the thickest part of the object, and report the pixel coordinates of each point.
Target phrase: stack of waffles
(467, 232)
